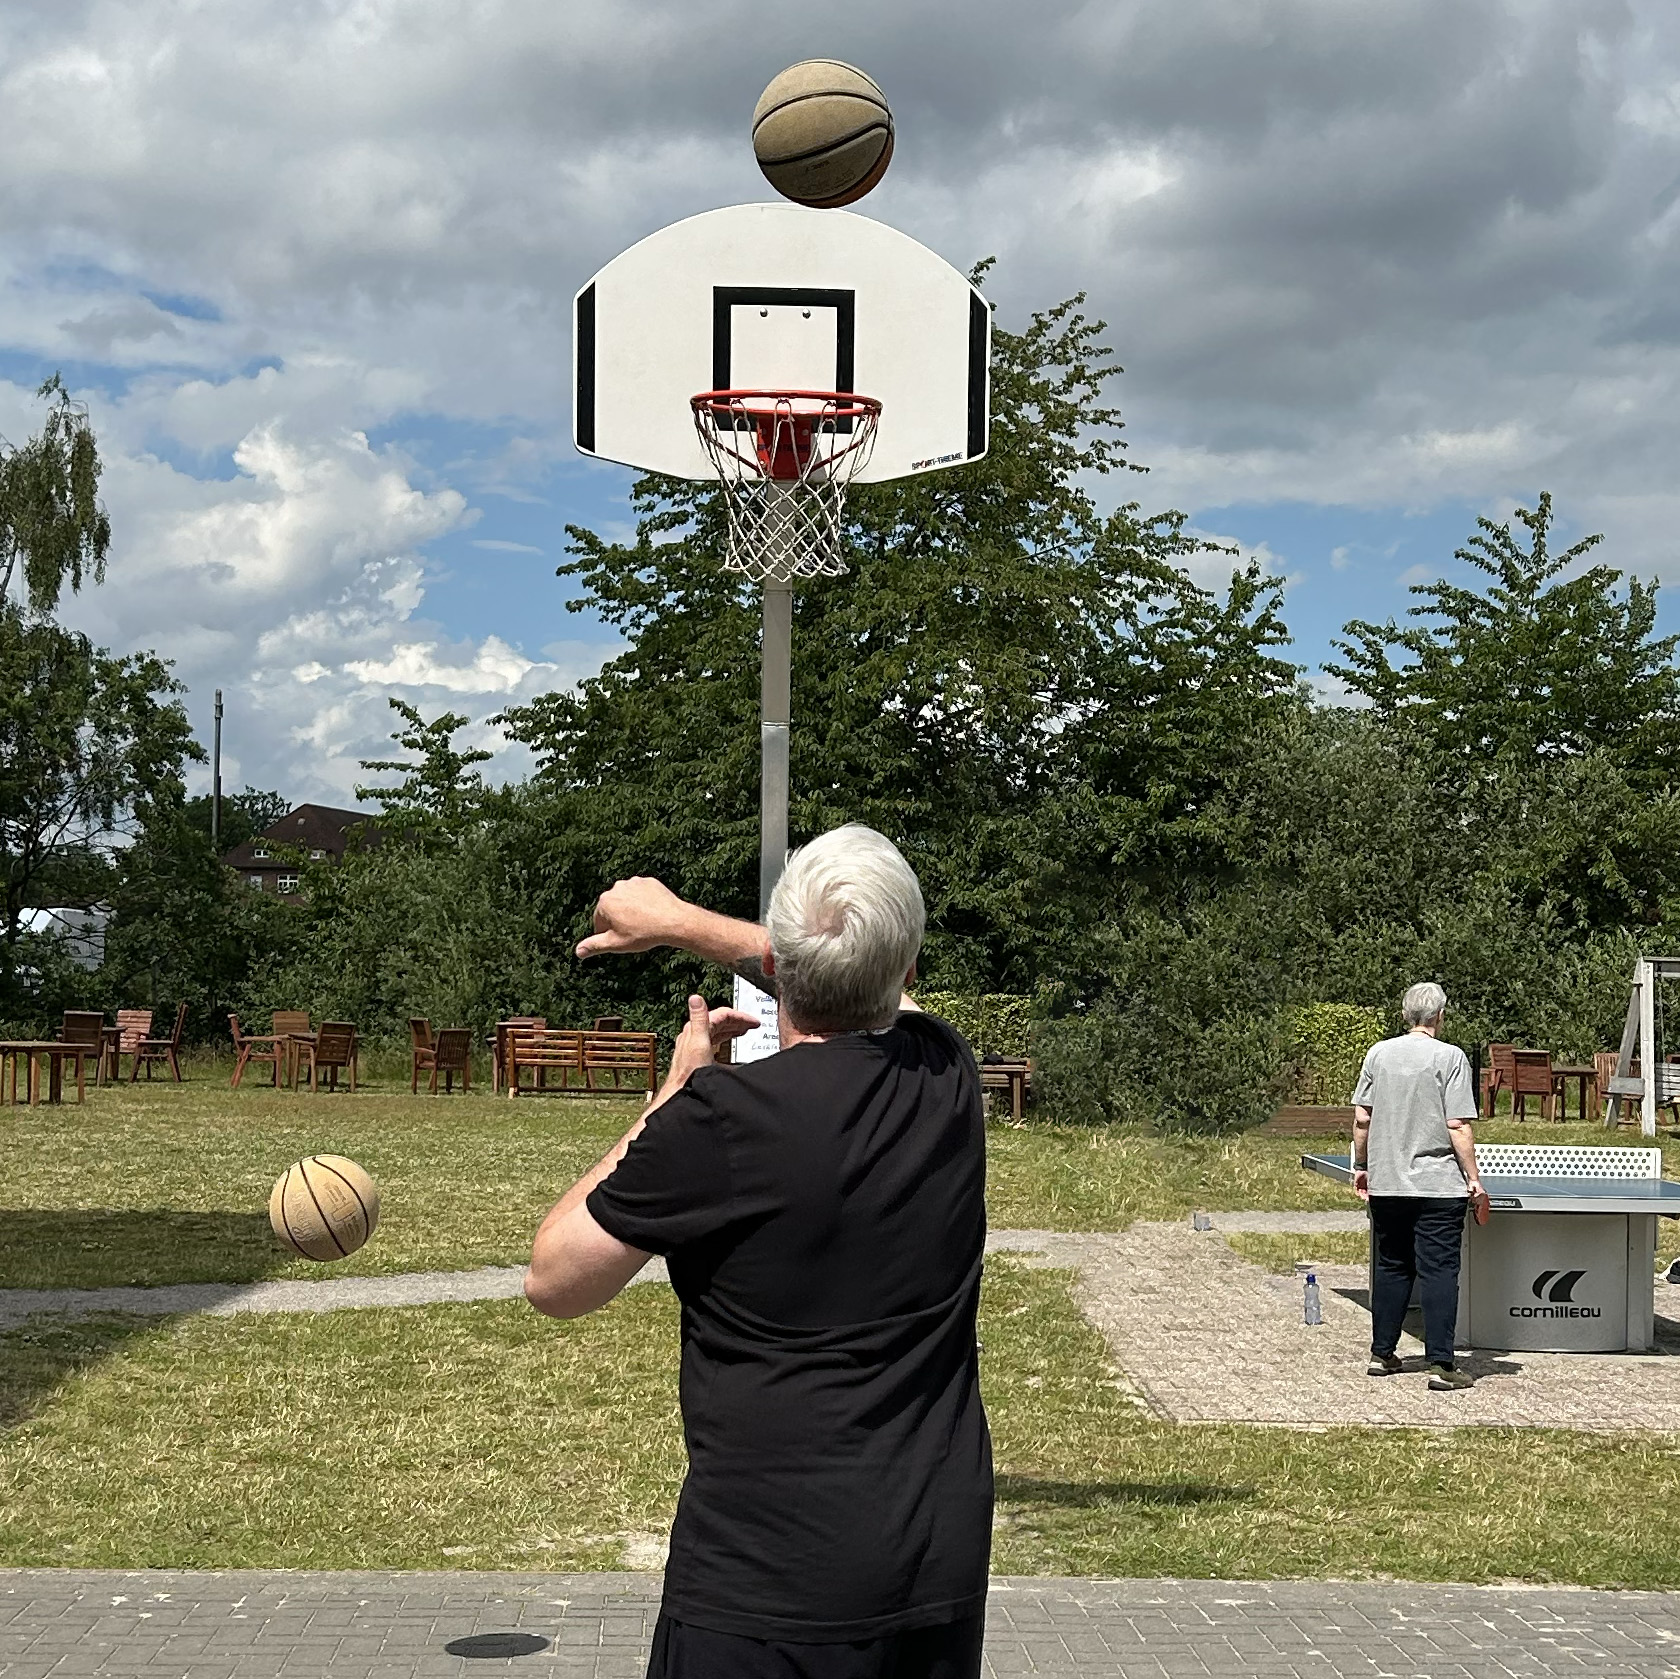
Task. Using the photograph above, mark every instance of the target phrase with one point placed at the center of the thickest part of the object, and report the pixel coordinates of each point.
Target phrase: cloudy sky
(1372, 269)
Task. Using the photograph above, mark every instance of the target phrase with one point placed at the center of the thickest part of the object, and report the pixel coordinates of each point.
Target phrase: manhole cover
(491, 1646)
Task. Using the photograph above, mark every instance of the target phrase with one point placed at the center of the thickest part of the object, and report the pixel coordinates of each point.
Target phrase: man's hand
(1362, 1183)
(699, 1041)
(637, 914)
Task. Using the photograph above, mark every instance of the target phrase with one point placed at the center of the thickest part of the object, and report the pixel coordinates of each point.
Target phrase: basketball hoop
(785, 460)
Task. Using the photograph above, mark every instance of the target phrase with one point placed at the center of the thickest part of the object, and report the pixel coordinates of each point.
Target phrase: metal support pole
(216, 783)
(776, 708)
(1650, 1066)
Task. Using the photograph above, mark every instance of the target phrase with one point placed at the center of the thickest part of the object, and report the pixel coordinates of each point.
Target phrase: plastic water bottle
(1311, 1309)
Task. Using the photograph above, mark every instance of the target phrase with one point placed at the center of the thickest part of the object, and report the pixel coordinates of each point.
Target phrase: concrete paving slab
(74, 1624)
(1203, 1336)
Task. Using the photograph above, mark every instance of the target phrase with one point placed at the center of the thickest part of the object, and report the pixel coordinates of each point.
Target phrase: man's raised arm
(645, 914)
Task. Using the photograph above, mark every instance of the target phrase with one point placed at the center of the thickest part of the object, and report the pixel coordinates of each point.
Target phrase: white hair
(845, 923)
(1422, 1004)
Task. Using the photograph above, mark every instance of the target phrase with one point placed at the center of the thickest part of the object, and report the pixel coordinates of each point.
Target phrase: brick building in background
(270, 862)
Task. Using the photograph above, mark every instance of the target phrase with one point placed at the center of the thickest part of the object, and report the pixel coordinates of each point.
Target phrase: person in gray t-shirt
(1414, 1162)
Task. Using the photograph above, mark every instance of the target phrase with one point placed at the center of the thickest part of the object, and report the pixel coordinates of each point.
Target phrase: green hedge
(1328, 1042)
(995, 1024)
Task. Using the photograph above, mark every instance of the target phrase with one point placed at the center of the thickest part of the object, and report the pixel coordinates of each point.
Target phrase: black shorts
(951, 1651)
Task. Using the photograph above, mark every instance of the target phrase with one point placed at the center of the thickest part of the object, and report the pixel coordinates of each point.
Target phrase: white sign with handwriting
(761, 1042)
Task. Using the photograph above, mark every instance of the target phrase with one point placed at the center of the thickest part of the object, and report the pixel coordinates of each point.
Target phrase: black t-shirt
(823, 1214)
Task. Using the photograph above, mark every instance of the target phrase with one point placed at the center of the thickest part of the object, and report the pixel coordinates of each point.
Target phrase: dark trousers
(952, 1651)
(1418, 1238)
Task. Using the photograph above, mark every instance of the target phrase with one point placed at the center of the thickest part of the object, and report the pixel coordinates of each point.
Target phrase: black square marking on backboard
(842, 302)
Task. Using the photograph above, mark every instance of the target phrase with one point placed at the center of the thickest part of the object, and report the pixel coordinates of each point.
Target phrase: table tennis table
(1566, 1261)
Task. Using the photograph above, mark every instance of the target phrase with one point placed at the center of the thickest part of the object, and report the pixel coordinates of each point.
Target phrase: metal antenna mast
(216, 782)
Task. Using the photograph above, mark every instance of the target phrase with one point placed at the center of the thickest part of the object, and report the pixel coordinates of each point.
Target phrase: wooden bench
(1013, 1076)
(587, 1063)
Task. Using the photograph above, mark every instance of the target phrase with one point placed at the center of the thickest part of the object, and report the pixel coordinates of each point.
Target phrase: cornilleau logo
(1558, 1287)
(1563, 1289)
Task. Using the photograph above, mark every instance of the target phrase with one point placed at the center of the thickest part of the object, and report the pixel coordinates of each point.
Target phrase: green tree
(50, 517)
(244, 814)
(1017, 687)
(86, 741)
(184, 927)
(1540, 665)
(440, 791)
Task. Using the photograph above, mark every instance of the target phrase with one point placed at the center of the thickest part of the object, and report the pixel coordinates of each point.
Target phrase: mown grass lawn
(483, 1436)
(170, 1183)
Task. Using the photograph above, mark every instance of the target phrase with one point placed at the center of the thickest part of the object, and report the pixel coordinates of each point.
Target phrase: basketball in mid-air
(822, 133)
(324, 1207)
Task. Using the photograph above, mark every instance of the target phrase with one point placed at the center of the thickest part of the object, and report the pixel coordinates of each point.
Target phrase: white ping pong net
(785, 460)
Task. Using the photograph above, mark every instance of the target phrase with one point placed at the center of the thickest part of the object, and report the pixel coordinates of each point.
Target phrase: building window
(287, 883)
(254, 881)
(260, 853)
(316, 855)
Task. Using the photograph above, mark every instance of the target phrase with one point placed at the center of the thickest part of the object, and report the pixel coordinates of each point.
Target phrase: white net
(785, 460)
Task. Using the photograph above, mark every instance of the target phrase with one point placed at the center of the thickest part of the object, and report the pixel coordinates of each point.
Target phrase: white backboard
(775, 296)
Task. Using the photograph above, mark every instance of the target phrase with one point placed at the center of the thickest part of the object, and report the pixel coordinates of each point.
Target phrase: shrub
(1328, 1042)
(995, 1023)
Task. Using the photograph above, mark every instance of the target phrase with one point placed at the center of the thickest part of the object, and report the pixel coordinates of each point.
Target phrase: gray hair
(845, 923)
(1422, 1004)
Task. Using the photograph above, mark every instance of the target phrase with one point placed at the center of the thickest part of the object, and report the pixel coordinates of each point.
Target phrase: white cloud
(1383, 257)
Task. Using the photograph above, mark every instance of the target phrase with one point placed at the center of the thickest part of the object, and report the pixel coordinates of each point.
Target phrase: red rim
(839, 405)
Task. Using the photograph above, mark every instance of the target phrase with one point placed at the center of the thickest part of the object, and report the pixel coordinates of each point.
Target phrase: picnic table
(55, 1052)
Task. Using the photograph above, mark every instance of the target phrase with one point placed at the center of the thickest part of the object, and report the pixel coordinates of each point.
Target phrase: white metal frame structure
(1657, 1083)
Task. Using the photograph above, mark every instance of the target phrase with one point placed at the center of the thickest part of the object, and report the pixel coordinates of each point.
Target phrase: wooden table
(110, 1053)
(55, 1053)
(294, 1042)
(1585, 1077)
(1013, 1076)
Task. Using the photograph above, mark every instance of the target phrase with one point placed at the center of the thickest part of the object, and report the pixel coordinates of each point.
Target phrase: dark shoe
(1672, 1274)
(1386, 1364)
(1445, 1379)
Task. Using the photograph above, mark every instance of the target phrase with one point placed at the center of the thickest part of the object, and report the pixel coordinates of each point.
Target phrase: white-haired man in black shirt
(822, 1214)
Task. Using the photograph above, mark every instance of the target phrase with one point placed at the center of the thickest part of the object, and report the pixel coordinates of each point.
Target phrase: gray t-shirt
(1413, 1086)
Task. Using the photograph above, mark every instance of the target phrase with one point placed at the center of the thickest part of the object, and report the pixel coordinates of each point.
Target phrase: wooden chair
(133, 1026)
(248, 1048)
(544, 1052)
(1496, 1075)
(291, 1030)
(499, 1047)
(87, 1029)
(420, 1051)
(1604, 1069)
(1531, 1075)
(615, 1055)
(168, 1050)
(332, 1048)
(452, 1054)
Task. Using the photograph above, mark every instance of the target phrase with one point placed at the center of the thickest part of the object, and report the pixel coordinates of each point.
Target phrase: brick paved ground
(238, 1625)
(1204, 1336)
